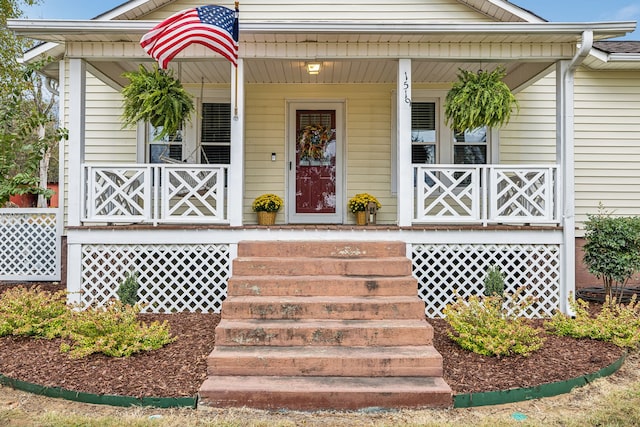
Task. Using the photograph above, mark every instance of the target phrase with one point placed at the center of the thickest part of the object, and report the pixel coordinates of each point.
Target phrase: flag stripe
(214, 27)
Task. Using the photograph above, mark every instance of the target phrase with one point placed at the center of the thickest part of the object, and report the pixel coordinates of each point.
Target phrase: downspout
(566, 151)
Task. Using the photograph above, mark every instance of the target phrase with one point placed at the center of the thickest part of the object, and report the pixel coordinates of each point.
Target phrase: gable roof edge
(506, 6)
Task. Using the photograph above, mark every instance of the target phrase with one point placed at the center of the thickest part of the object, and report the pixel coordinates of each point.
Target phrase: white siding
(340, 10)
(367, 141)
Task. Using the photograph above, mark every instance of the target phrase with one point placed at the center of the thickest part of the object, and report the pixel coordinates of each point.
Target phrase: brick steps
(309, 393)
(324, 307)
(327, 284)
(399, 361)
(323, 332)
(323, 325)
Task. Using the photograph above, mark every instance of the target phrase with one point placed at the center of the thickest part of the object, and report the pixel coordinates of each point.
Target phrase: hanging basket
(266, 218)
(479, 99)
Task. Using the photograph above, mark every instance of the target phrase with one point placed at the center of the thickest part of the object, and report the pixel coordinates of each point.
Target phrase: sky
(551, 10)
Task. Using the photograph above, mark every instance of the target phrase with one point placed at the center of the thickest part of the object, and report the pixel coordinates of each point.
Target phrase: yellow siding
(367, 141)
(530, 136)
(607, 142)
(340, 10)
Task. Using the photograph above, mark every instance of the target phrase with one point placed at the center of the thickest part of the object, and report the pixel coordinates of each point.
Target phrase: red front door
(315, 162)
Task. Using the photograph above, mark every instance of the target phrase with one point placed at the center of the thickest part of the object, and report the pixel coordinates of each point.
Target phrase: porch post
(77, 91)
(565, 159)
(235, 184)
(403, 126)
(565, 153)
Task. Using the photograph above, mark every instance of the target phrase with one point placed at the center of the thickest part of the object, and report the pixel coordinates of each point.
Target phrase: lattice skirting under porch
(448, 271)
(172, 278)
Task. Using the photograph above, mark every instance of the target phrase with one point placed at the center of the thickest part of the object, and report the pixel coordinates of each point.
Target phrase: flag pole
(235, 107)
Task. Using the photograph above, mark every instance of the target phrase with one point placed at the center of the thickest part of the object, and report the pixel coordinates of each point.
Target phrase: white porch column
(565, 159)
(403, 126)
(235, 185)
(77, 91)
(565, 154)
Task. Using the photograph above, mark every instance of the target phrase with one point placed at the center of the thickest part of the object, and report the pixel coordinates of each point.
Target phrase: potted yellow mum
(266, 207)
(359, 204)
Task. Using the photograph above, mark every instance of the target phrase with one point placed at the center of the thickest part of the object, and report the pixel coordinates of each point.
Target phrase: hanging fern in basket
(157, 97)
(479, 99)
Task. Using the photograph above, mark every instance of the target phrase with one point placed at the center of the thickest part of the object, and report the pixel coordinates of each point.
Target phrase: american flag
(215, 27)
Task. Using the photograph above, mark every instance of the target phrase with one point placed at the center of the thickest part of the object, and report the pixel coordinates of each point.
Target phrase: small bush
(484, 326)
(114, 331)
(128, 289)
(494, 282)
(32, 313)
(616, 323)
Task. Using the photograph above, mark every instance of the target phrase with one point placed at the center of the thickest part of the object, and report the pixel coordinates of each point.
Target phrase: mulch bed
(179, 368)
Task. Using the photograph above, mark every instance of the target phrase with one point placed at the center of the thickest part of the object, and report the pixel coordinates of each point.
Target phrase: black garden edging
(543, 390)
(459, 401)
(100, 399)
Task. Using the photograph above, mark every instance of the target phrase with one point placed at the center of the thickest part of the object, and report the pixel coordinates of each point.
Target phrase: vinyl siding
(339, 10)
(367, 141)
(530, 136)
(607, 127)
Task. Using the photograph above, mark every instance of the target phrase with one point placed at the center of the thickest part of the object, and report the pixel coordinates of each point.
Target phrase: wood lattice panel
(29, 246)
(172, 278)
(445, 271)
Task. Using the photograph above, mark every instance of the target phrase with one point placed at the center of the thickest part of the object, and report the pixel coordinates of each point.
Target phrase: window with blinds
(169, 147)
(423, 132)
(215, 136)
(470, 147)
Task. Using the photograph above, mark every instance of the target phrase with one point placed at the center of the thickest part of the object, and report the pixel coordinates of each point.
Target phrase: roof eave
(42, 27)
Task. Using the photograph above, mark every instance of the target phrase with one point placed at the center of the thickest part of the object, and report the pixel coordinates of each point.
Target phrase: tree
(28, 129)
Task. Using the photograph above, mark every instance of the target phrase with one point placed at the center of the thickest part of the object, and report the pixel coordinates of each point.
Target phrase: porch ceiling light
(313, 68)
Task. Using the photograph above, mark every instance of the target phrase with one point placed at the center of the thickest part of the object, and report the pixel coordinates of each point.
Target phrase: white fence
(145, 193)
(30, 243)
(486, 194)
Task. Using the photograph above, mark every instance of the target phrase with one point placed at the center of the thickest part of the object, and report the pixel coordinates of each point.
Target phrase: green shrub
(114, 331)
(484, 326)
(612, 249)
(32, 312)
(616, 323)
(128, 289)
(494, 282)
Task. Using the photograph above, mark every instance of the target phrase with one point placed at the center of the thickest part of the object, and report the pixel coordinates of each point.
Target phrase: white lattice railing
(144, 193)
(29, 244)
(448, 271)
(486, 194)
(172, 278)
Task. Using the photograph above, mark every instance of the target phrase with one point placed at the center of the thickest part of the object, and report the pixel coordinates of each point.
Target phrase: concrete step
(309, 393)
(322, 249)
(323, 307)
(323, 332)
(402, 361)
(322, 285)
(304, 266)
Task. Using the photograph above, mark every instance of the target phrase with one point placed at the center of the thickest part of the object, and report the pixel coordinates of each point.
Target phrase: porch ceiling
(277, 71)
